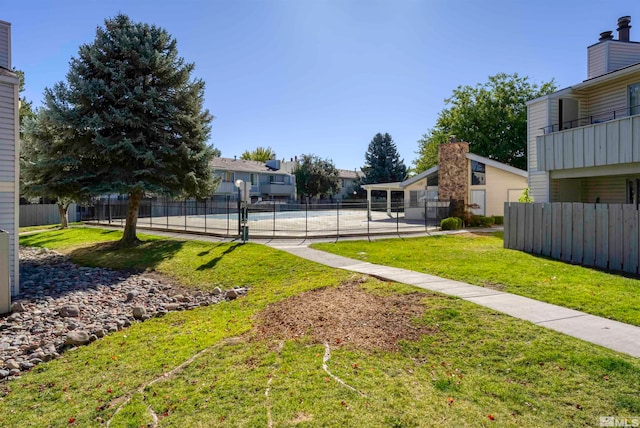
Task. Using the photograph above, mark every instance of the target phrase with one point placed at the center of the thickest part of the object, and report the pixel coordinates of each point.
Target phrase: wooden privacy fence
(601, 235)
(41, 214)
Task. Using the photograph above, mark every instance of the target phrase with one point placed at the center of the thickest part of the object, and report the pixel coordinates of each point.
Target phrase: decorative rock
(46, 315)
(231, 294)
(77, 337)
(18, 307)
(139, 312)
(11, 364)
(69, 311)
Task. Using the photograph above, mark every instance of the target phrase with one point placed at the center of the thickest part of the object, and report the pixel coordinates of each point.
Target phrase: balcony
(277, 189)
(612, 142)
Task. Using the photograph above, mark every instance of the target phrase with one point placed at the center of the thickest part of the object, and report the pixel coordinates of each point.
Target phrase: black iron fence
(273, 219)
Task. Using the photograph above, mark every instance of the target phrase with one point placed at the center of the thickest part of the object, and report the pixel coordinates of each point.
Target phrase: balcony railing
(592, 119)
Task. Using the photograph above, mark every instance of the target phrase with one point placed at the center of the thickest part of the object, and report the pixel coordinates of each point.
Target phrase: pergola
(387, 187)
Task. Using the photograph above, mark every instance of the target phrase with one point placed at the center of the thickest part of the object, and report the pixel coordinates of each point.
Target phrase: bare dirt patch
(346, 316)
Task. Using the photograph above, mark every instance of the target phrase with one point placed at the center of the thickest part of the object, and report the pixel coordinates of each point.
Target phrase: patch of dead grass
(346, 315)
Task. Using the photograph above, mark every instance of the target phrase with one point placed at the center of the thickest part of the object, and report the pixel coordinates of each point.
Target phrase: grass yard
(215, 366)
(481, 260)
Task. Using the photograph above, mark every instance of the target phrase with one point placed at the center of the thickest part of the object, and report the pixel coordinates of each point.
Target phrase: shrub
(451, 223)
(498, 219)
(480, 221)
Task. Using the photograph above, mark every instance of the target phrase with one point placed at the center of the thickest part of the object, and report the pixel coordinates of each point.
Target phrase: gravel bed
(63, 305)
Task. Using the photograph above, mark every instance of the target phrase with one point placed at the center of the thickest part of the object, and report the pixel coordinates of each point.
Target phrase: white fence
(41, 214)
(606, 236)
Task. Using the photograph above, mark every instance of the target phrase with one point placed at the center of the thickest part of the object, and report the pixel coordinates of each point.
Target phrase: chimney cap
(606, 35)
(624, 20)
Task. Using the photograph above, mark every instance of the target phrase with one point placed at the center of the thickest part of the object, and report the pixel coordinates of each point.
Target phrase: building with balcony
(268, 181)
(584, 141)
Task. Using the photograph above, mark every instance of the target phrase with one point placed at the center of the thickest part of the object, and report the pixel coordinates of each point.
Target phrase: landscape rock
(61, 304)
(77, 337)
(139, 312)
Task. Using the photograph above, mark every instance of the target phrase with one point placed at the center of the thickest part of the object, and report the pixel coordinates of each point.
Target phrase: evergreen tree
(26, 110)
(133, 118)
(316, 177)
(45, 168)
(383, 163)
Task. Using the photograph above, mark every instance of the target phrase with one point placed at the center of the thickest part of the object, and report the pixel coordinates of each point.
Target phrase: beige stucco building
(482, 184)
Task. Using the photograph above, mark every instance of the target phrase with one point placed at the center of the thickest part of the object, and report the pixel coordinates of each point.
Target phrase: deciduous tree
(260, 154)
(316, 177)
(491, 117)
(135, 117)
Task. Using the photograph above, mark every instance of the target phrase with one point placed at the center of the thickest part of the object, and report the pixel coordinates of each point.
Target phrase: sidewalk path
(601, 331)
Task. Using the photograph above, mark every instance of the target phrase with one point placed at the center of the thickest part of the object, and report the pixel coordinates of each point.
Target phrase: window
(276, 179)
(229, 177)
(634, 99)
(478, 176)
(633, 189)
(254, 179)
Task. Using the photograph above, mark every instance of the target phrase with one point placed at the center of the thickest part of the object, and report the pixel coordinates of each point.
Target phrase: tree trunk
(64, 216)
(129, 237)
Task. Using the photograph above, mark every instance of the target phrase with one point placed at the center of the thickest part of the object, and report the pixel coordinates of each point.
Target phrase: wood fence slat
(630, 239)
(507, 225)
(602, 236)
(521, 226)
(556, 230)
(567, 231)
(589, 234)
(577, 241)
(513, 221)
(537, 228)
(615, 236)
(528, 238)
(547, 229)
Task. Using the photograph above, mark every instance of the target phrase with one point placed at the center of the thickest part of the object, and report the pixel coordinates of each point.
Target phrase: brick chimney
(453, 173)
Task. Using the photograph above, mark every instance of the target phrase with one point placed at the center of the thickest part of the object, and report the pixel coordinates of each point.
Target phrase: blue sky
(324, 76)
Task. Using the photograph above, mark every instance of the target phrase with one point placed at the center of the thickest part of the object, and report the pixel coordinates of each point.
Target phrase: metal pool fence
(269, 219)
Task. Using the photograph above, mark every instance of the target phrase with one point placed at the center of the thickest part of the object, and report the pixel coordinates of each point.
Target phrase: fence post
(166, 206)
(306, 219)
(205, 216)
(109, 208)
(228, 212)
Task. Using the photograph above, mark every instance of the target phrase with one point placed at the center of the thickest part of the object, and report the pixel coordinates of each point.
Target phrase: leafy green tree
(45, 168)
(491, 117)
(133, 117)
(382, 161)
(428, 150)
(260, 154)
(316, 177)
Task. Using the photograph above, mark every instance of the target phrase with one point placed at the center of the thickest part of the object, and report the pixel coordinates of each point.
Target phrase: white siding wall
(597, 59)
(609, 96)
(623, 54)
(5, 45)
(9, 169)
(537, 118)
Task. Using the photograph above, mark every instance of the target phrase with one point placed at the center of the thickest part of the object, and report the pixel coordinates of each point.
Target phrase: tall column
(389, 202)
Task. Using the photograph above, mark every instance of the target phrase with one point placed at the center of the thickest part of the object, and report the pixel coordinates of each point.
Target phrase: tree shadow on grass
(146, 255)
(211, 263)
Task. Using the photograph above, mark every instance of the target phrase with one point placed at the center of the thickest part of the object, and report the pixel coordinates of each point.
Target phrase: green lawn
(478, 368)
(481, 260)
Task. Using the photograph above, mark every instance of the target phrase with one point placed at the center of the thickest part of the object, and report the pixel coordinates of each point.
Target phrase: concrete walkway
(601, 331)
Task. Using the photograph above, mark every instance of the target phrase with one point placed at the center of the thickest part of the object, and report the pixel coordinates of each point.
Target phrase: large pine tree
(133, 117)
(383, 163)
